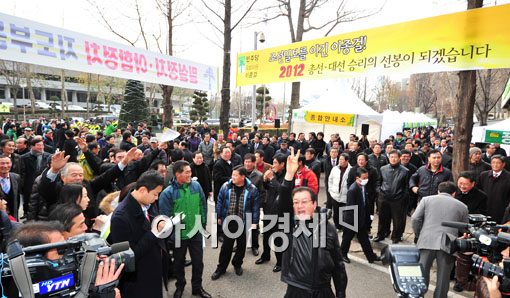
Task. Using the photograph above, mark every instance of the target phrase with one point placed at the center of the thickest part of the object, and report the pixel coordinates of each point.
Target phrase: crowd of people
(116, 181)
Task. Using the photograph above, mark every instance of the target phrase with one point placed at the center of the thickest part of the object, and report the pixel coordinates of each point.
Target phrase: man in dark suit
(222, 170)
(426, 221)
(357, 197)
(35, 162)
(131, 222)
(496, 184)
(328, 164)
(9, 182)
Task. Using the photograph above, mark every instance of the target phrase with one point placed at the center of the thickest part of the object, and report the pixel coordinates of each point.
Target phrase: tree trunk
(482, 118)
(31, 94)
(167, 106)
(466, 105)
(225, 85)
(89, 83)
(294, 101)
(63, 106)
(15, 103)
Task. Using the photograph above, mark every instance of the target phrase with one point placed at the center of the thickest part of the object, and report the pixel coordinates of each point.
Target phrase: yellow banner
(474, 39)
(4, 108)
(324, 118)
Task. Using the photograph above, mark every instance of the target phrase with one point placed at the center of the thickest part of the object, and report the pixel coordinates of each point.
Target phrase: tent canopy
(394, 121)
(337, 101)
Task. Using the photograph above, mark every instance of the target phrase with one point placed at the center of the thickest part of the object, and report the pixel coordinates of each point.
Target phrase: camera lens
(480, 267)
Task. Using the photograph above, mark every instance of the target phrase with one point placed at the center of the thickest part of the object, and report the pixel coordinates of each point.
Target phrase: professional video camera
(485, 239)
(406, 271)
(72, 274)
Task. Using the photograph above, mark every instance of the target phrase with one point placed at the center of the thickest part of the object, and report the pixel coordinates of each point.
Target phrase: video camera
(72, 274)
(406, 271)
(485, 240)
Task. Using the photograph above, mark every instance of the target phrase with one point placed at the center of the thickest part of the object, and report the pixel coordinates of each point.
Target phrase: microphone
(456, 225)
(119, 247)
(504, 238)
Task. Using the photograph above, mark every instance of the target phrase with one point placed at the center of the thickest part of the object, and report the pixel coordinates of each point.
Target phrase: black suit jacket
(30, 162)
(12, 205)
(355, 198)
(129, 223)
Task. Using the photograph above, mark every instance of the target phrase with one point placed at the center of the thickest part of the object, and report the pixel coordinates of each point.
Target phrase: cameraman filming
(37, 233)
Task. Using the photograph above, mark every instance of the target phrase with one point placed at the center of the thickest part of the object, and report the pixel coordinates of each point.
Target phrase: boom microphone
(456, 225)
(118, 247)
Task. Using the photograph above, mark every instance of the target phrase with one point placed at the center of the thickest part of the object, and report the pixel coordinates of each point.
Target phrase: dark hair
(361, 171)
(194, 154)
(100, 133)
(468, 175)
(249, 156)
(108, 137)
(280, 157)
(150, 180)
(404, 151)
(126, 135)
(35, 141)
(90, 138)
(260, 152)
(241, 170)
(345, 155)
(65, 213)
(69, 133)
(155, 164)
(304, 189)
(70, 193)
(4, 156)
(92, 145)
(184, 144)
(179, 166)
(433, 151)
(302, 159)
(362, 154)
(3, 143)
(447, 187)
(395, 151)
(310, 150)
(36, 232)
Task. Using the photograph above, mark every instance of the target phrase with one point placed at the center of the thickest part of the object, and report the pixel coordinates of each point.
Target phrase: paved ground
(365, 280)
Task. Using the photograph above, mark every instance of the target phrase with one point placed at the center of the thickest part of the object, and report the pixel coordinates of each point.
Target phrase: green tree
(134, 106)
(200, 106)
(263, 99)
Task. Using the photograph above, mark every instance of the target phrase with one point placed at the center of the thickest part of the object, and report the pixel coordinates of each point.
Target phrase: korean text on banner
(496, 136)
(474, 39)
(26, 41)
(330, 118)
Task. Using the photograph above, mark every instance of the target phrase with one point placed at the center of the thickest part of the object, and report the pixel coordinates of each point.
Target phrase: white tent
(479, 132)
(337, 105)
(394, 121)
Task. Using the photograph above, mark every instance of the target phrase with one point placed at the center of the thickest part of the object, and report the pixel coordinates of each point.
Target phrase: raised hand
(82, 144)
(58, 161)
(292, 164)
(129, 156)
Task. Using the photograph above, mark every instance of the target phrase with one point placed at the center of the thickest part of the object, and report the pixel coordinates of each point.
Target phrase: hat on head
(28, 129)
(48, 130)
(154, 140)
(474, 150)
(284, 142)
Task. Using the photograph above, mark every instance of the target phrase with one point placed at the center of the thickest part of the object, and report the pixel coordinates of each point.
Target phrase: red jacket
(306, 177)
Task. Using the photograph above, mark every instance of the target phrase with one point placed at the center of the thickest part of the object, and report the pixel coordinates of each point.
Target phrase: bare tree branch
(108, 25)
(244, 15)
(211, 10)
(140, 24)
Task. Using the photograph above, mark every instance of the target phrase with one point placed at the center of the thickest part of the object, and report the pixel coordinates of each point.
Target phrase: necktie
(333, 163)
(6, 185)
(363, 193)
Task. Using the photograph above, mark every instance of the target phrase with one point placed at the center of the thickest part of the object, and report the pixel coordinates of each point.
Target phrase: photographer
(37, 233)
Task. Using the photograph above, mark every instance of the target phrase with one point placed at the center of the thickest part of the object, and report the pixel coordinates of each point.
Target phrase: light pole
(262, 38)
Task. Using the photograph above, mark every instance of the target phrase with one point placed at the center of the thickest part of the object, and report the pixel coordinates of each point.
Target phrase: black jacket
(268, 153)
(222, 172)
(373, 183)
(69, 147)
(243, 149)
(478, 168)
(272, 193)
(498, 193)
(475, 200)
(315, 166)
(30, 162)
(124, 145)
(203, 177)
(377, 162)
(394, 182)
(427, 181)
(136, 168)
(355, 198)
(129, 223)
(307, 267)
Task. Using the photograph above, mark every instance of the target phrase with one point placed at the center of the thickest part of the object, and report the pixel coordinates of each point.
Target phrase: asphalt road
(365, 280)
